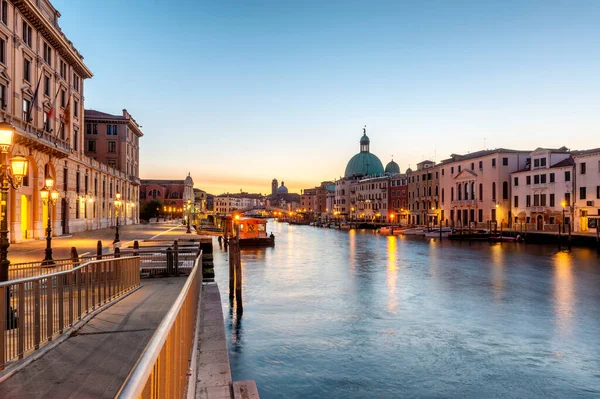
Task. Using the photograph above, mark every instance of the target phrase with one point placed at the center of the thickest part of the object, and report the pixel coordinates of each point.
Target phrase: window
(47, 54)
(552, 200)
(76, 140)
(2, 96)
(516, 180)
(63, 98)
(4, 12)
(528, 180)
(77, 184)
(451, 193)
(65, 179)
(3, 51)
(542, 161)
(493, 162)
(27, 69)
(76, 109)
(536, 179)
(480, 192)
(598, 168)
(516, 205)
(551, 177)
(505, 161)
(459, 168)
(582, 192)
(480, 164)
(536, 200)
(567, 175)
(536, 162)
(112, 146)
(543, 178)
(91, 128)
(27, 33)
(494, 191)
(46, 123)
(582, 168)
(568, 198)
(112, 163)
(480, 216)
(543, 199)
(63, 69)
(26, 106)
(47, 85)
(452, 169)
(91, 146)
(472, 165)
(76, 82)
(505, 190)
(528, 201)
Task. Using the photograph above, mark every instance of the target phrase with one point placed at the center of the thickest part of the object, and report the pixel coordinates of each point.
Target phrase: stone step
(245, 389)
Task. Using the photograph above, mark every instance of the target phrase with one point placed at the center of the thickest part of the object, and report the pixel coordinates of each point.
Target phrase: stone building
(424, 194)
(586, 199)
(398, 199)
(172, 194)
(49, 128)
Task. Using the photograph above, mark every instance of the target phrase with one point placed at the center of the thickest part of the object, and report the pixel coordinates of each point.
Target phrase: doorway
(64, 222)
(540, 223)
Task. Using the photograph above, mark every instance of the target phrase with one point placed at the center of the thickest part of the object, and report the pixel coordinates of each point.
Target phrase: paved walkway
(94, 361)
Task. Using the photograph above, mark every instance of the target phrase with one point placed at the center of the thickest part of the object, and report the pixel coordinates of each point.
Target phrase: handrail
(34, 310)
(139, 377)
(50, 275)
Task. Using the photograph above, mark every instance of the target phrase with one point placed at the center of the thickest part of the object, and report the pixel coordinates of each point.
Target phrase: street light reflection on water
(354, 314)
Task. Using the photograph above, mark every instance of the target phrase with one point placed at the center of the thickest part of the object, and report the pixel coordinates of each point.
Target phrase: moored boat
(435, 233)
(253, 233)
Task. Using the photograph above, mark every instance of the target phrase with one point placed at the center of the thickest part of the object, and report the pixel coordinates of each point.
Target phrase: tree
(150, 210)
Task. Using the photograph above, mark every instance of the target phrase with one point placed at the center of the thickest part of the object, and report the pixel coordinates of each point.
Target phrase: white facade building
(227, 204)
(586, 203)
(542, 189)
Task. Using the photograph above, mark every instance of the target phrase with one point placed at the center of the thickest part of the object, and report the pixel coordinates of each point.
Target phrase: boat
(435, 233)
(417, 231)
(472, 235)
(345, 226)
(499, 238)
(253, 233)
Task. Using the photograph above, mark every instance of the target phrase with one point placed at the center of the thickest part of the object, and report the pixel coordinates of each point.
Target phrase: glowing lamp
(44, 192)
(6, 135)
(18, 165)
(54, 196)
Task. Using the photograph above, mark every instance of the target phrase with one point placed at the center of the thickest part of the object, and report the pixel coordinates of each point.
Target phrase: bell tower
(274, 186)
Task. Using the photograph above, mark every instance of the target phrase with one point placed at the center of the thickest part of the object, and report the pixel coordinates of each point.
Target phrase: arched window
(459, 191)
(494, 191)
(473, 190)
(480, 192)
(436, 190)
(466, 191)
(175, 194)
(442, 195)
(505, 190)
(451, 193)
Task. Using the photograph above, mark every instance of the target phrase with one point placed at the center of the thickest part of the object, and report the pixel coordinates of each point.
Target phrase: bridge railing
(34, 310)
(161, 372)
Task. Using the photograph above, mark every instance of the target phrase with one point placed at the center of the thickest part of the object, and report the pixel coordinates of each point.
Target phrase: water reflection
(563, 292)
(352, 251)
(392, 302)
(497, 271)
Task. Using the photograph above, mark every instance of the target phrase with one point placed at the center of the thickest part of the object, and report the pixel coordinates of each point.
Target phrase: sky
(240, 92)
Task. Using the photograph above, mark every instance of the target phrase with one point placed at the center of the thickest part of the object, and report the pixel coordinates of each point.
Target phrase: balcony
(539, 209)
(464, 202)
(134, 179)
(41, 140)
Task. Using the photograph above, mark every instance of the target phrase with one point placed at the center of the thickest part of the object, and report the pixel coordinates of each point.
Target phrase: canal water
(338, 314)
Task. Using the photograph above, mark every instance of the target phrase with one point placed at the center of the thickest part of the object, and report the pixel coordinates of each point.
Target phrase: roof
(364, 164)
(160, 181)
(585, 152)
(482, 153)
(392, 168)
(565, 162)
(92, 113)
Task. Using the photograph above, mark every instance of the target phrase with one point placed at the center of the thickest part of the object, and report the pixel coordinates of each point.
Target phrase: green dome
(365, 139)
(364, 164)
(392, 168)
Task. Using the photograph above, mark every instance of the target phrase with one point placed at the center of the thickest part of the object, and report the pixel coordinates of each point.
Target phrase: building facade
(475, 188)
(542, 191)
(586, 198)
(226, 204)
(398, 199)
(49, 125)
(172, 194)
(423, 185)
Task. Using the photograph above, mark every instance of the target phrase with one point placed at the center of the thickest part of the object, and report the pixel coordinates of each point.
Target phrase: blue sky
(239, 92)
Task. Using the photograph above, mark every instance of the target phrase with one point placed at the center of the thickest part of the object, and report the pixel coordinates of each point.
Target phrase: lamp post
(49, 197)
(189, 207)
(117, 206)
(11, 173)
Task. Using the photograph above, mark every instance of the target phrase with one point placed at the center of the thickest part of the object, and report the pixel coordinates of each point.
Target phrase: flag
(68, 112)
(50, 112)
(34, 101)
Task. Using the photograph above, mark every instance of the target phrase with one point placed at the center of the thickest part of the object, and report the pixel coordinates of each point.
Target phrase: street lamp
(117, 206)
(564, 204)
(189, 207)
(11, 173)
(49, 197)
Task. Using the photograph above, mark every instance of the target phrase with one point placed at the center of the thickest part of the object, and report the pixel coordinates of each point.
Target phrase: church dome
(364, 163)
(392, 168)
(282, 189)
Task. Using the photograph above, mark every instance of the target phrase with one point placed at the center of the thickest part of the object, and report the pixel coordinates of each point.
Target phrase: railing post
(37, 314)
(169, 261)
(21, 322)
(74, 256)
(78, 282)
(117, 252)
(61, 304)
(99, 250)
(50, 307)
(136, 248)
(176, 257)
(3, 325)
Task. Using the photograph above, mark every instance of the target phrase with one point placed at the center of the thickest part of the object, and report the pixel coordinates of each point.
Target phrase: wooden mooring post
(597, 238)
(235, 271)
(569, 241)
(99, 250)
(440, 229)
(559, 238)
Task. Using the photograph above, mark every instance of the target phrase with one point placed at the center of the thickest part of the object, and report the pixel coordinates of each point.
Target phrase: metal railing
(35, 310)
(33, 269)
(161, 372)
